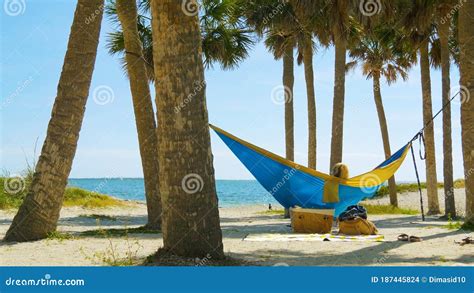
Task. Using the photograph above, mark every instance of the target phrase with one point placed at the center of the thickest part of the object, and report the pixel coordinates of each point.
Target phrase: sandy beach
(238, 225)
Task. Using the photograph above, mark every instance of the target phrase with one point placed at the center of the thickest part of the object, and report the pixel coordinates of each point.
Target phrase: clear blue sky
(33, 45)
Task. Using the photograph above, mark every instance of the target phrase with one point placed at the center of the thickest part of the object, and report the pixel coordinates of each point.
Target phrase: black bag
(353, 212)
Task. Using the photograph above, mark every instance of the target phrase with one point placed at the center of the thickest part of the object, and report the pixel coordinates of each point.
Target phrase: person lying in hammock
(340, 170)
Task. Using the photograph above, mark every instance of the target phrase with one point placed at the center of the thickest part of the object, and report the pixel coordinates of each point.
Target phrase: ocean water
(229, 192)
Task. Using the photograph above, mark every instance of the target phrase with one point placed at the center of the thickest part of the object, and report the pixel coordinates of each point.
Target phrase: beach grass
(388, 210)
(99, 217)
(272, 212)
(371, 210)
(118, 232)
(467, 226)
(56, 235)
(412, 187)
(73, 196)
(451, 225)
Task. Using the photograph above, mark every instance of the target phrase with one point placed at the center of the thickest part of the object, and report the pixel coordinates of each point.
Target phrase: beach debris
(467, 240)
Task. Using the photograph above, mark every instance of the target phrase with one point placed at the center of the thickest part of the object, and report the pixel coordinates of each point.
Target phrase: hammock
(295, 185)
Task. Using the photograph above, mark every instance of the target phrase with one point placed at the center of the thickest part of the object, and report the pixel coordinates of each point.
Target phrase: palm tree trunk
(450, 208)
(431, 178)
(338, 103)
(39, 213)
(143, 109)
(385, 138)
(309, 77)
(190, 220)
(466, 43)
(288, 83)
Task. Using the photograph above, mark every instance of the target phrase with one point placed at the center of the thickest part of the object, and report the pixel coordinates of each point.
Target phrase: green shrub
(388, 210)
(73, 196)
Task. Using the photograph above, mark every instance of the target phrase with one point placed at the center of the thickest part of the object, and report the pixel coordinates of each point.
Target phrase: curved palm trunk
(309, 77)
(39, 213)
(338, 103)
(466, 43)
(143, 109)
(450, 209)
(190, 220)
(288, 83)
(431, 178)
(385, 138)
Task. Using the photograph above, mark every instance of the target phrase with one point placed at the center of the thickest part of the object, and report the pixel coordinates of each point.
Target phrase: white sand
(437, 247)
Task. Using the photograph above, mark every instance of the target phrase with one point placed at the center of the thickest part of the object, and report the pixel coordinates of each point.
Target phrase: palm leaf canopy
(225, 38)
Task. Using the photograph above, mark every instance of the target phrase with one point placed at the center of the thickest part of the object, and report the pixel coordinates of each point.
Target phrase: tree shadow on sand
(373, 255)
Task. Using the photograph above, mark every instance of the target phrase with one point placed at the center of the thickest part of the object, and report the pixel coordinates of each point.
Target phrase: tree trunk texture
(449, 203)
(143, 109)
(288, 83)
(466, 43)
(309, 77)
(338, 103)
(190, 221)
(392, 186)
(39, 213)
(431, 178)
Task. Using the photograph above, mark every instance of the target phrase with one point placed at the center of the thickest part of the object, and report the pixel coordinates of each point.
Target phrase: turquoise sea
(229, 192)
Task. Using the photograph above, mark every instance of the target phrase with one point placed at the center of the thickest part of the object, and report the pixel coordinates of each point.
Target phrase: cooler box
(311, 220)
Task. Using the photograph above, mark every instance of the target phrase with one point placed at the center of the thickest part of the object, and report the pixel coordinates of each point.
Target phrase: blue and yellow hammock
(295, 185)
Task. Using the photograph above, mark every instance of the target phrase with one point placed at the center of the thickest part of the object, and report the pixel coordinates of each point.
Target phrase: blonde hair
(340, 170)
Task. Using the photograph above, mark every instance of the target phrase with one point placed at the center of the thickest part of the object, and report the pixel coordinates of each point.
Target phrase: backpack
(357, 226)
(352, 212)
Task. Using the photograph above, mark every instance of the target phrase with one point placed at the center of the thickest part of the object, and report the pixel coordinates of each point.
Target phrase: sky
(33, 44)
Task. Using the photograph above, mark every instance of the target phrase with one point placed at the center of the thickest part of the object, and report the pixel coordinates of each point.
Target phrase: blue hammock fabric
(294, 185)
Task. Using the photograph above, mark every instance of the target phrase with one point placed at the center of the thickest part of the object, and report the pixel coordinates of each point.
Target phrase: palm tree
(444, 33)
(225, 40)
(143, 108)
(307, 52)
(291, 28)
(279, 40)
(382, 53)
(338, 13)
(418, 21)
(305, 25)
(39, 213)
(288, 80)
(334, 18)
(190, 210)
(466, 43)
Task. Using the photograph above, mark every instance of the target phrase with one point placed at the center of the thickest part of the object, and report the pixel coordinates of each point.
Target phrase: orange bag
(357, 226)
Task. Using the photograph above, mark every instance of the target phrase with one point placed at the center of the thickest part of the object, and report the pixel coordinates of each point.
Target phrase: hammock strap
(419, 183)
(421, 140)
